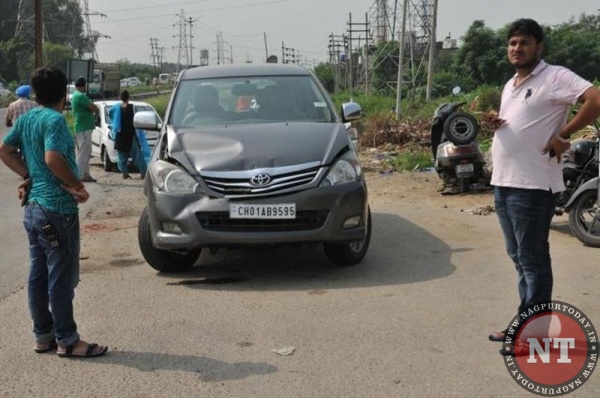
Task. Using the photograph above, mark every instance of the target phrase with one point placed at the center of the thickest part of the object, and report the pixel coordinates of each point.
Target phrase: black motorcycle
(581, 176)
(458, 158)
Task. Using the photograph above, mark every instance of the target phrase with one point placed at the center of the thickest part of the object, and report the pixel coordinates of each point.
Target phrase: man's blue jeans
(54, 274)
(525, 216)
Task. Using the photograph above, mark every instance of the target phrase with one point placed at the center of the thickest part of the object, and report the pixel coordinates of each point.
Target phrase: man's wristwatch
(562, 139)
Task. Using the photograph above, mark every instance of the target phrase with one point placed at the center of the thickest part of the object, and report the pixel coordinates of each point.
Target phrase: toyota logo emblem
(261, 179)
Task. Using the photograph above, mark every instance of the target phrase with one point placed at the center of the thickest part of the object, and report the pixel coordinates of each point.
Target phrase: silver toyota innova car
(252, 155)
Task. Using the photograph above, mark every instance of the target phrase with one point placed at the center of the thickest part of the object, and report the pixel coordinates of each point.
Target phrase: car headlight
(171, 179)
(346, 169)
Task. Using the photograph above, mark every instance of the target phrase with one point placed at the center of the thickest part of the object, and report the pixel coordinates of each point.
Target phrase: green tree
(576, 45)
(63, 25)
(325, 74)
(482, 56)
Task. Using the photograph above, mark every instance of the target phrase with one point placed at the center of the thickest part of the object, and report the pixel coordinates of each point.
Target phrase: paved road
(410, 321)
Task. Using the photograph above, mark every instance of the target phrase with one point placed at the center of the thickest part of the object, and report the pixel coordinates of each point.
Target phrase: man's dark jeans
(525, 216)
(54, 274)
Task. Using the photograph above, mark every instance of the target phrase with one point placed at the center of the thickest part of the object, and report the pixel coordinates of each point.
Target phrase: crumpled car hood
(249, 147)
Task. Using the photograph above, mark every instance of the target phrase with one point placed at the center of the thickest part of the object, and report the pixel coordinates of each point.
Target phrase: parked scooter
(458, 158)
(581, 171)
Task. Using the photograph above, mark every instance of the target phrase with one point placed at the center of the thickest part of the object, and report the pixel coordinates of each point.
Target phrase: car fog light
(171, 228)
(352, 222)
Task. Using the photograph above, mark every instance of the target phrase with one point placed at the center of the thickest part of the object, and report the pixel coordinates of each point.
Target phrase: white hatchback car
(102, 145)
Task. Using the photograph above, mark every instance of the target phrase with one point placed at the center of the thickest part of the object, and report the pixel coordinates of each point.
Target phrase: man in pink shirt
(20, 106)
(532, 134)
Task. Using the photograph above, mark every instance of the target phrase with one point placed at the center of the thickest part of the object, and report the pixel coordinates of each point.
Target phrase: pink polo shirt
(534, 111)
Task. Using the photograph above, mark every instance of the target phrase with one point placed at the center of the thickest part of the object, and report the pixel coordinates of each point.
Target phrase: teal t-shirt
(83, 117)
(34, 133)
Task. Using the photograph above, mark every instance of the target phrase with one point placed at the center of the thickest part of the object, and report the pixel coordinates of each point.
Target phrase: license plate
(267, 212)
(465, 168)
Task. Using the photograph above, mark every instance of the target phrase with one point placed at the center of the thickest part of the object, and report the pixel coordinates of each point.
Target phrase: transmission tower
(25, 28)
(220, 49)
(191, 21)
(155, 56)
(380, 15)
(417, 41)
(182, 53)
(91, 36)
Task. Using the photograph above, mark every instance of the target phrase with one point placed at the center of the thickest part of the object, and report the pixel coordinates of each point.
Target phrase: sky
(302, 25)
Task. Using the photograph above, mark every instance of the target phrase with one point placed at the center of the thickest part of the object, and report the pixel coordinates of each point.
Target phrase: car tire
(165, 261)
(106, 162)
(351, 253)
(461, 128)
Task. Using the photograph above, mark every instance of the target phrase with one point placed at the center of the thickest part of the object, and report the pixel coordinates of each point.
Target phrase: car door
(97, 132)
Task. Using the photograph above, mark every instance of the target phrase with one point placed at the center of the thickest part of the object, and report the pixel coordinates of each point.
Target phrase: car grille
(232, 184)
(220, 221)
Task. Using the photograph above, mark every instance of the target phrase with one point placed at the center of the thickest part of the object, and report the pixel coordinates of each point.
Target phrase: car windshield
(245, 100)
(136, 108)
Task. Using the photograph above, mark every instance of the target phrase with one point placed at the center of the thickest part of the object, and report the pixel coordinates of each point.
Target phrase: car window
(136, 108)
(243, 100)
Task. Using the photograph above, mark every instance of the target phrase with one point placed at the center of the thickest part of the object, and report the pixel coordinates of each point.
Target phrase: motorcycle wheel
(584, 219)
(461, 128)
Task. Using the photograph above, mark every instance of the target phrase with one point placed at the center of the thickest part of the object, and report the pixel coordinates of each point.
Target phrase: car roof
(112, 102)
(237, 70)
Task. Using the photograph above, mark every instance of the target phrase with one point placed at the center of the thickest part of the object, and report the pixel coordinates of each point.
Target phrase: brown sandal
(41, 348)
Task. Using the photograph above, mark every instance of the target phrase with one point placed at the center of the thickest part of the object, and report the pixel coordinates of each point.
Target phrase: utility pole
(336, 44)
(400, 61)
(432, 44)
(266, 49)
(287, 53)
(360, 68)
(38, 33)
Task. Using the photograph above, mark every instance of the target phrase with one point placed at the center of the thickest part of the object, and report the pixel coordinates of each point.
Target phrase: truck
(105, 84)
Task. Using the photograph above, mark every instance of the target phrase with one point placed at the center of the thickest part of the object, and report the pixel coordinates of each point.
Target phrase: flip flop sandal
(90, 352)
(49, 346)
(498, 336)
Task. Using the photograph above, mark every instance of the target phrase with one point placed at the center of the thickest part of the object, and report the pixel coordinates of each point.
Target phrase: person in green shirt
(83, 113)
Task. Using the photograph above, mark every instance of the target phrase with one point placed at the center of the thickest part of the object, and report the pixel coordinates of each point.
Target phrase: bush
(384, 129)
(411, 161)
(160, 103)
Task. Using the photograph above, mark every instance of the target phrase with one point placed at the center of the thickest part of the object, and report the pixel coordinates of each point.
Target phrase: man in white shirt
(532, 135)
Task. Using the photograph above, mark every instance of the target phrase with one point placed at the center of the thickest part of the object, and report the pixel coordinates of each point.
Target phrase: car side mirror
(351, 111)
(146, 120)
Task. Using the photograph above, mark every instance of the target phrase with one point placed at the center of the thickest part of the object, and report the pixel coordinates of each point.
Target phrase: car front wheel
(351, 253)
(163, 260)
